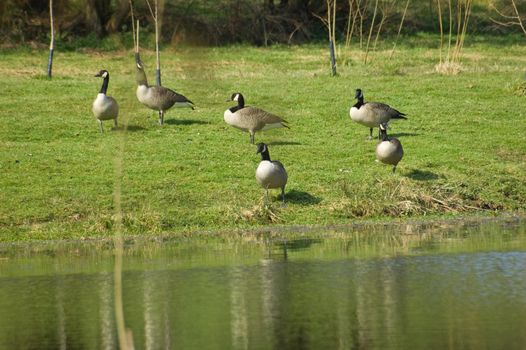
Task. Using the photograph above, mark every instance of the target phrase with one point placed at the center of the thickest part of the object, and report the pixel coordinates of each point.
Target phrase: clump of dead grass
(448, 68)
(263, 212)
(519, 88)
(401, 197)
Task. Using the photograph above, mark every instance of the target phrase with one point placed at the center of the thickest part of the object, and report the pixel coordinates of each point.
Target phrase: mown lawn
(464, 141)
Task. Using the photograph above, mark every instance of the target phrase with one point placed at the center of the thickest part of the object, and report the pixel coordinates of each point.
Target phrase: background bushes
(217, 22)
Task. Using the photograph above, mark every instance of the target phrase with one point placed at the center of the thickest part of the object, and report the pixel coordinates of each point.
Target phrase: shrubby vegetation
(259, 22)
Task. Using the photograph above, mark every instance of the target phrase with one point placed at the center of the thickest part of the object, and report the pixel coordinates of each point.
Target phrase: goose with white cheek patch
(270, 173)
(251, 119)
(372, 114)
(105, 107)
(156, 97)
(389, 150)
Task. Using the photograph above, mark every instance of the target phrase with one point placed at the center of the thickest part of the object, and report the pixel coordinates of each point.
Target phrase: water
(410, 287)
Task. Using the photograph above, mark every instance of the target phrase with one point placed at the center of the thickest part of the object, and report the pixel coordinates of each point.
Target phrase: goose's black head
(359, 94)
(138, 62)
(237, 97)
(102, 74)
(263, 149)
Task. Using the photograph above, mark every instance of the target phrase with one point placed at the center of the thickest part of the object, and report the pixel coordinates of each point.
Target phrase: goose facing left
(372, 114)
(158, 98)
(249, 118)
(105, 107)
(270, 173)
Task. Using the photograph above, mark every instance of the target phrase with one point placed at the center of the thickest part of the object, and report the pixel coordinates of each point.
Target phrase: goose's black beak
(98, 75)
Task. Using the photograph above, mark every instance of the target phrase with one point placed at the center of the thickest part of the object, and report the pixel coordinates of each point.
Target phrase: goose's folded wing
(262, 116)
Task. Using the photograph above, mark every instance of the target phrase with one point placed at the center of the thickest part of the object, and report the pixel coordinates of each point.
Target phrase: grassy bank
(464, 139)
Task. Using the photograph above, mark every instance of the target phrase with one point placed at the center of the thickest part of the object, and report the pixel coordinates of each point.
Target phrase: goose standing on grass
(372, 114)
(105, 107)
(156, 97)
(389, 150)
(251, 119)
(270, 173)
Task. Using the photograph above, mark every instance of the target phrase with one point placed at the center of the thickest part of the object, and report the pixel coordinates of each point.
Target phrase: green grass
(465, 149)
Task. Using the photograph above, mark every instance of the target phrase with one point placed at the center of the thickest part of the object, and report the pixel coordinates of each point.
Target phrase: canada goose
(270, 173)
(389, 150)
(250, 118)
(105, 107)
(156, 97)
(372, 114)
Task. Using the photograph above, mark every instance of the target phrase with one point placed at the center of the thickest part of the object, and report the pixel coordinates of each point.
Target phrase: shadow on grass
(184, 122)
(300, 197)
(134, 128)
(422, 175)
(403, 134)
(283, 143)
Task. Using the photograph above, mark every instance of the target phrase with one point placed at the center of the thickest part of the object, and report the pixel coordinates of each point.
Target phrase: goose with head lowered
(389, 150)
(251, 119)
(372, 114)
(105, 107)
(156, 97)
(270, 173)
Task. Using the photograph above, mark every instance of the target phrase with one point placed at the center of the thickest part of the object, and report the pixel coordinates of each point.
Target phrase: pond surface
(401, 287)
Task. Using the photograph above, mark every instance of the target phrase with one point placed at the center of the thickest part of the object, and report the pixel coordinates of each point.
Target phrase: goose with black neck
(372, 114)
(249, 118)
(105, 107)
(270, 173)
(389, 150)
(158, 98)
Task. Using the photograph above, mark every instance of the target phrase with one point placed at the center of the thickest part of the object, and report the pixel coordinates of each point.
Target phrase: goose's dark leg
(251, 137)
(266, 194)
(394, 169)
(161, 117)
(116, 125)
(100, 125)
(370, 133)
(283, 195)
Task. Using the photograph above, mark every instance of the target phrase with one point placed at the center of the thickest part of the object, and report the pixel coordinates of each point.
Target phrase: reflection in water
(464, 289)
(106, 313)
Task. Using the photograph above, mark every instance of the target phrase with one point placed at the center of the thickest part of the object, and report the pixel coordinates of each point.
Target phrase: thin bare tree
(400, 28)
(52, 41)
(370, 32)
(330, 23)
(451, 63)
(512, 20)
(155, 16)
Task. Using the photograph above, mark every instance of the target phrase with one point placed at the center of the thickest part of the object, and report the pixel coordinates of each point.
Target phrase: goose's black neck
(359, 103)
(240, 104)
(105, 82)
(265, 155)
(383, 135)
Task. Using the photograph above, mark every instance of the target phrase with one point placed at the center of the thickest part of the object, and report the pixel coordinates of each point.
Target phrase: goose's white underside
(144, 95)
(366, 117)
(105, 107)
(231, 120)
(271, 175)
(272, 126)
(386, 152)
